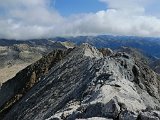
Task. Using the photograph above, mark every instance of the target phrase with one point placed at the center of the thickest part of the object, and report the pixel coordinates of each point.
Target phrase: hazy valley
(16, 55)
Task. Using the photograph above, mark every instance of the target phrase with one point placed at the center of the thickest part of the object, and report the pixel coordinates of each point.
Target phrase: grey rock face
(148, 116)
(87, 85)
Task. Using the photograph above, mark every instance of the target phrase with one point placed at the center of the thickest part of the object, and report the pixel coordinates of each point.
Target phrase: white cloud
(27, 19)
(115, 22)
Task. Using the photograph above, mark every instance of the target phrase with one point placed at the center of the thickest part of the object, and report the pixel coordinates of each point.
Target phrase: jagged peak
(68, 44)
(90, 51)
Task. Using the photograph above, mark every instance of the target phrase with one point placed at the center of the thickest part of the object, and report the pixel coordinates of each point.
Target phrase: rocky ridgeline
(85, 84)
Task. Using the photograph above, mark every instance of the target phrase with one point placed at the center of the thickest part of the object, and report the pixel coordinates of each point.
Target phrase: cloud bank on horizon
(28, 19)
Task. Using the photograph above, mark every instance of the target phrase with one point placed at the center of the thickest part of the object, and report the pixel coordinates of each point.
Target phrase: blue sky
(154, 8)
(27, 19)
(68, 7)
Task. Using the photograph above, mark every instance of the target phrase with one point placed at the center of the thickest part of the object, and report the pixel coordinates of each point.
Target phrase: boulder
(111, 109)
(127, 115)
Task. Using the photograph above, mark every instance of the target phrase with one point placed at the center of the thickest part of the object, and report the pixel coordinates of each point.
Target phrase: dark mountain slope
(155, 65)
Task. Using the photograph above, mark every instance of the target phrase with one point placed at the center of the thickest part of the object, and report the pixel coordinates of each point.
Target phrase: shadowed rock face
(15, 88)
(88, 84)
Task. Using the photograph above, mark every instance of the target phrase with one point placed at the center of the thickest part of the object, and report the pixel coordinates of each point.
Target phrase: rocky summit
(85, 84)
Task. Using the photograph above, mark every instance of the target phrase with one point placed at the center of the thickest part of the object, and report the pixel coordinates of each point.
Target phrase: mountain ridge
(82, 86)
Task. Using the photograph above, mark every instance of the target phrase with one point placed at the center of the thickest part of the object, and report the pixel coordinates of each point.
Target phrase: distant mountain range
(148, 45)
